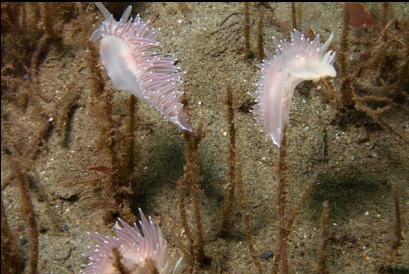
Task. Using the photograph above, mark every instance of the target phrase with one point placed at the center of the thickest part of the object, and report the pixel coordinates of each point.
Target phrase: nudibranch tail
(128, 57)
(295, 61)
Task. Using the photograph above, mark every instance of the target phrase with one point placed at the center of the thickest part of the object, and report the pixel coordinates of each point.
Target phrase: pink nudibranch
(296, 61)
(141, 249)
(126, 53)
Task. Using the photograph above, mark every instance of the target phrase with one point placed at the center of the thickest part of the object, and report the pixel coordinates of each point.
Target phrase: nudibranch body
(127, 55)
(139, 250)
(295, 61)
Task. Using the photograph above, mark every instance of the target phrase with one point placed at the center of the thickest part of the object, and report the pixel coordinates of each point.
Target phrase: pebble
(23, 240)
(266, 255)
(374, 155)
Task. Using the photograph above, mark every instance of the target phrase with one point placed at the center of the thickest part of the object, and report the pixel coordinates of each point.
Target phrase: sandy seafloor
(353, 175)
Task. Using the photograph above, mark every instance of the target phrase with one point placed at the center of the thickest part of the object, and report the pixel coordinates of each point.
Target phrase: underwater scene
(204, 137)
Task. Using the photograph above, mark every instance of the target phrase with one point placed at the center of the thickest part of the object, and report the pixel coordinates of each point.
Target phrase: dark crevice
(69, 126)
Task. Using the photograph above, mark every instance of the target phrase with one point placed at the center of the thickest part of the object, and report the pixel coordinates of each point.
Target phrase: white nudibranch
(126, 53)
(295, 61)
(140, 249)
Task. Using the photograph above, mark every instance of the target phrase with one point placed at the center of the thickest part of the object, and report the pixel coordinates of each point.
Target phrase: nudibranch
(127, 54)
(294, 62)
(139, 250)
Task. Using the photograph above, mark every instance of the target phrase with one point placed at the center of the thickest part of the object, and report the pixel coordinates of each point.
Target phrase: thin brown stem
(131, 136)
(27, 211)
(97, 85)
(11, 260)
(183, 195)
(324, 239)
(101, 110)
(385, 12)
(247, 49)
(344, 51)
(294, 15)
(260, 29)
(291, 220)
(193, 144)
(397, 223)
(343, 61)
(281, 251)
(228, 206)
(189, 182)
(246, 217)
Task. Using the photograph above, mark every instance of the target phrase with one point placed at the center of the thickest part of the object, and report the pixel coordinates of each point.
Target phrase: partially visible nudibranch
(295, 61)
(133, 250)
(127, 54)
